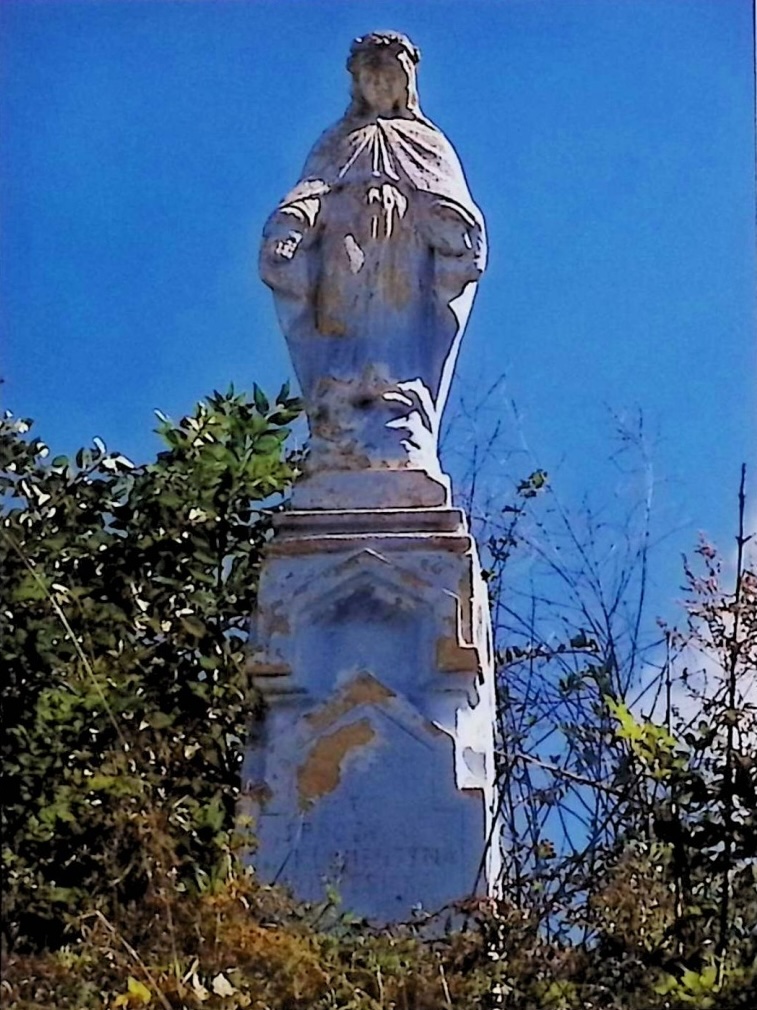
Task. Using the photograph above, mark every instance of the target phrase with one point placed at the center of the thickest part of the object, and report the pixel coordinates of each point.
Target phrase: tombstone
(373, 770)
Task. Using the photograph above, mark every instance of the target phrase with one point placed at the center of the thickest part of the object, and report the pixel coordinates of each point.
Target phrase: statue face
(383, 84)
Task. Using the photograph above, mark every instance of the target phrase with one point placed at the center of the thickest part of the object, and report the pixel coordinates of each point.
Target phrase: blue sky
(610, 144)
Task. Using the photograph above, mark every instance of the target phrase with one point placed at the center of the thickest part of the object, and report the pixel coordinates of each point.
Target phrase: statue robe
(373, 259)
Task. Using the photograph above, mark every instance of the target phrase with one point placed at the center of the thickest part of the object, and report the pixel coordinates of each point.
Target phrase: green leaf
(193, 625)
(283, 396)
(161, 720)
(261, 400)
(269, 443)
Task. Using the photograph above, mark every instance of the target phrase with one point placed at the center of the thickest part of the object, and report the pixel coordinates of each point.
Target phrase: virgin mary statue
(373, 259)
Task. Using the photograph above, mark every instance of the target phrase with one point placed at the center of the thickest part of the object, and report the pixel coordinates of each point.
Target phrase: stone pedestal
(373, 769)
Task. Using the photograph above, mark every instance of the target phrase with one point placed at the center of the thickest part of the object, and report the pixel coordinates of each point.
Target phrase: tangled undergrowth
(235, 943)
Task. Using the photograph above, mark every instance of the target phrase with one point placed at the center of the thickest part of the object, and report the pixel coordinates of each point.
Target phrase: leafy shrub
(126, 591)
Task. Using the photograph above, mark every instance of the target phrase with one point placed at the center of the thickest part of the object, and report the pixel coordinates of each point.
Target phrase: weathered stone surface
(371, 488)
(373, 259)
(374, 767)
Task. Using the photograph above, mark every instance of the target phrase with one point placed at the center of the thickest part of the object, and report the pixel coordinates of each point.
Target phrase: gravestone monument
(373, 769)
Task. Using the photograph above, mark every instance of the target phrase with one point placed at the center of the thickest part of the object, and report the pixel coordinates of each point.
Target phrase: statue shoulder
(325, 157)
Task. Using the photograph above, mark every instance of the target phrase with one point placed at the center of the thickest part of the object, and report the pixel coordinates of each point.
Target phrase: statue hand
(392, 207)
(289, 226)
(287, 234)
(454, 231)
(458, 240)
(285, 248)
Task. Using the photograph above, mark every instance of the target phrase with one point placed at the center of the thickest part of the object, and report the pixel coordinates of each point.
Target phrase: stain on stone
(363, 690)
(395, 286)
(261, 667)
(328, 323)
(322, 771)
(279, 622)
(452, 656)
(465, 601)
(257, 792)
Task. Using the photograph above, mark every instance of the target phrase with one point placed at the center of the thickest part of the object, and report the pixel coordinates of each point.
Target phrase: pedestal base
(372, 489)
(373, 769)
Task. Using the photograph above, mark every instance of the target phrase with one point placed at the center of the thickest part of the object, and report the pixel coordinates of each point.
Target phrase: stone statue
(375, 763)
(373, 259)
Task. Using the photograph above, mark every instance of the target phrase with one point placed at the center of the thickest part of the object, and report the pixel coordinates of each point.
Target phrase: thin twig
(133, 954)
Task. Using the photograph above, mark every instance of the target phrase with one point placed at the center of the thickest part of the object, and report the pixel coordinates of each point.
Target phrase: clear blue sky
(610, 144)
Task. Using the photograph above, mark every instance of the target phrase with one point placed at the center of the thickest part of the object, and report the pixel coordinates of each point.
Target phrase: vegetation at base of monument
(124, 591)
(576, 645)
(591, 756)
(233, 944)
(627, 749)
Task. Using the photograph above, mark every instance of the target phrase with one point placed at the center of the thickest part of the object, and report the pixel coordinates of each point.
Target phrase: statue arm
(458, 239)
(289, 233)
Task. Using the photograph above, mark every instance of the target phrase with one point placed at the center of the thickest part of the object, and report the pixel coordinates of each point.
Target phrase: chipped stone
(322, 770)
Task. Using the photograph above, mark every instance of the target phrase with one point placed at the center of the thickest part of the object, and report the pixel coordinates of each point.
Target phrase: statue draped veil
(412, 152)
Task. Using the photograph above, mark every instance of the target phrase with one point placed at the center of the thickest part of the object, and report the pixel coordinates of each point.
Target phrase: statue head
(383, 68)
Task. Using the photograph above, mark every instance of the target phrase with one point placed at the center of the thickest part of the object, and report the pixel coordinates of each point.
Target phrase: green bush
(125, 591)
